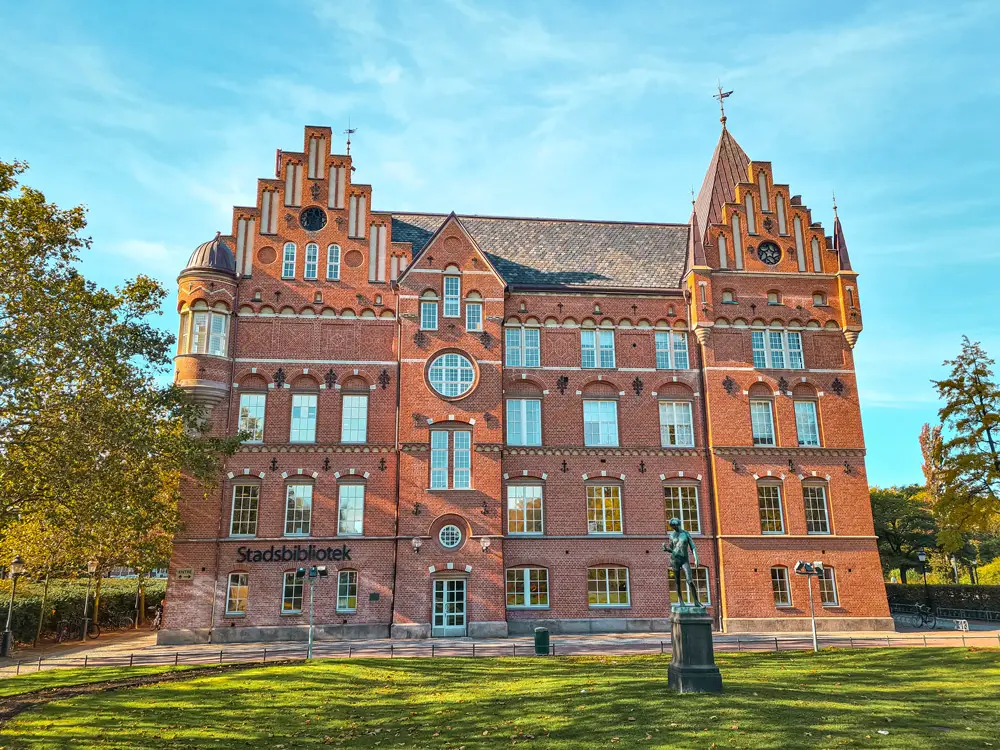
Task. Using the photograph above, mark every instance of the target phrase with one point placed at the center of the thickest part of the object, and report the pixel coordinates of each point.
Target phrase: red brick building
(480, 424)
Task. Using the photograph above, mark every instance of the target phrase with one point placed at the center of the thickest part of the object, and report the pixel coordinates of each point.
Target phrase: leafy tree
(964, 471)
(904, 524)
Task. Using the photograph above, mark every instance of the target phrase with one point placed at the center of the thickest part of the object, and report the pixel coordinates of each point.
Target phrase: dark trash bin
(541, 641)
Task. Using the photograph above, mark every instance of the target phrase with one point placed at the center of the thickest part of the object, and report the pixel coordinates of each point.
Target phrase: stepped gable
(565, 253)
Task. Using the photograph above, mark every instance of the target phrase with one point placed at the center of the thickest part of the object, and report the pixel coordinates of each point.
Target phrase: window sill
(664, 445)
(235, 614)
(783, 606)
(609, 606)
(242, 536)
(291, 614)
(602, 445)
(834, 605)
(346, 611)
(523, 607)
(296, 536)
(525, 533)
(819, 533)
(772, 533)
(605, 533)
(524, 445)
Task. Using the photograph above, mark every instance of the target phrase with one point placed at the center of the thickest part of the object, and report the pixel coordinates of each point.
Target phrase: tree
(904, 524)
(965, 454)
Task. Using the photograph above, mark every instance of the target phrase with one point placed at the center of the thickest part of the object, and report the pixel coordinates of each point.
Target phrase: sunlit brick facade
(482, 424)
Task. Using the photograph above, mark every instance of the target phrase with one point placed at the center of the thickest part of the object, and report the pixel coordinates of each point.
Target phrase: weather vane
(349, 132)
(834, 203)
(722, 107)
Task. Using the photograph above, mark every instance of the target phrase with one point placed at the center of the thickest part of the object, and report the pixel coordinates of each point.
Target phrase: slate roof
(214, 255)
(566, 253)
(727, 168)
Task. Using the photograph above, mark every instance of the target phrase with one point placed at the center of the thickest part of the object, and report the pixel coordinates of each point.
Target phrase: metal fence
(948, 613)
(268, 654)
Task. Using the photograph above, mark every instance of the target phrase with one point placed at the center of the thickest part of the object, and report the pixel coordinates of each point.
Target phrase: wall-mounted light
(417, 544)
(485, 542)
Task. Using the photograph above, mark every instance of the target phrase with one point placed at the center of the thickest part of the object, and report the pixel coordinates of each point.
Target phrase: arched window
(452, 293)
(428, 311)
(333, 263)
(608, 587)
(806, 415)
(762, 415)
(828, 587)
(304, 407)
(780, 588)
(204, 331)
(288, 261)
(350, 506)
(817, 509)
(298, 508)
(347, 591)
(291, 593)
(769, 504)
(312, 261)
(354, 411)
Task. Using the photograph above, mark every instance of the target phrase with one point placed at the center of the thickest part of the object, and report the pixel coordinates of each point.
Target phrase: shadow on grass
(922, 698)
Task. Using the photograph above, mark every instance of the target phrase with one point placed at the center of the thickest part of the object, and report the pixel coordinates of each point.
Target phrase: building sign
(298, 553)
(184, 574)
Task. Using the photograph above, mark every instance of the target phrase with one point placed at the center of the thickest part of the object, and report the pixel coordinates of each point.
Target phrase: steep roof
(214, 255)
(727, 168)
(840, 244)
(565, 253)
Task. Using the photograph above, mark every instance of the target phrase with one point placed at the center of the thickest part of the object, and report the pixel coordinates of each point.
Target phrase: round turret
(214, 255)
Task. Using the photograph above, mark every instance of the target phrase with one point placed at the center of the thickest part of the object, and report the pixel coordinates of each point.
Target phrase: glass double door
(449, 607)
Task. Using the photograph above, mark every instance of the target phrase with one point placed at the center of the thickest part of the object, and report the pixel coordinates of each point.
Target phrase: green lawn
(922, 698)
(56, 678)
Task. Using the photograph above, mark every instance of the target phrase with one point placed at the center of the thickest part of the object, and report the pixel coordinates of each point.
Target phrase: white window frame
(700, 581)
(674, 506)
(217, 330)
(683, 433)
(290, 579)
(288, 260)
(812, 518)
(606, 506)
(672, 352)
(522, 576)
(311, 271)
(302, 429)
(204, 332)
(249, 515)
(242, 581)
(354, 505)
(474, 317)
(449, 370)
(829, 574)
(781, 508)
(346, 581)
(520, 424)
(761, 437)
(518, 512)
(251, 416)
(452, 296)
(606, 440)
(607, 588)
(354, 418)
(428, 315)
(299, 512)
(517, 349)
(448, 451)
(599, 344)
(777, 349)
(787, 588)
(803, 427)
(333, 263)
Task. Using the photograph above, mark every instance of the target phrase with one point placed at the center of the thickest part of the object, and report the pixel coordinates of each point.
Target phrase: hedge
(946, 595)
(65, 602)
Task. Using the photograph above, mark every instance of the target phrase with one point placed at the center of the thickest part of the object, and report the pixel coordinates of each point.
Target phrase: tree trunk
(902, 573)
(97, 597)
(41, 611)
(138, 599)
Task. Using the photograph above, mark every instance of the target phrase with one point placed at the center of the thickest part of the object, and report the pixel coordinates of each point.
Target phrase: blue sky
(160, 117)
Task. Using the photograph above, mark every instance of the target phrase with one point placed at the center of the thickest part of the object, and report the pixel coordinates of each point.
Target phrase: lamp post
(91, 569)
(16, 569)
(313, 574)
(922, 557)
(809, 570)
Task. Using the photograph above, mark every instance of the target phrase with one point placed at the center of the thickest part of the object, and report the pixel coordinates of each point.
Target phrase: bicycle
(157, 620)
(67, 630)
(924, 617)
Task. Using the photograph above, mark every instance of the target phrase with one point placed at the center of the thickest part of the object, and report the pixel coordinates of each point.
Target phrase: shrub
(65, 602)
(950, 595)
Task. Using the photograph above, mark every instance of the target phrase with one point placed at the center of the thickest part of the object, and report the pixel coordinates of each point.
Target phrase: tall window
(333, 263)
(303, 418)
(676, 429)
(452, 449)
(203, 332)
(817, 514)
(522, 347)
(354, 420)
(288, 261)
(524, 421)
(237, 593)
(291, 594)
(428, 315)
(682, 503)
(806, 423)
(780, 588)
(607, 587)
(828, 587)
(772, 518)
(777, 350)
(604, 509)
(699, 581)
(347, 591)
(298, 509)
(312, 261)
(452, 296)
(244, 518)
(527, 587)
(762, 422)
(473, 316)
(351, 513)
(598, 348)
(671, 351)
(524, 509)
(600, 422)
(252, 416)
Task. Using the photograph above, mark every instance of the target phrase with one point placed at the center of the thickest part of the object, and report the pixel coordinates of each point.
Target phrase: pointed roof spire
(728, 167)
(696, 248)
(839, 243)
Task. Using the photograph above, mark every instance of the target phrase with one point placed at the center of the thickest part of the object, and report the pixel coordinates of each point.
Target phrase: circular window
(451, 375)
(769, 253)
(313, 219)
(450, 536)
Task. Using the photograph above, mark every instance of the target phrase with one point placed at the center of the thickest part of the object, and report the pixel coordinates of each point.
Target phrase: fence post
(131, 658)
(963, 639)
(553, 649)
(776, 647)
(887, 641)
(473, 650)
(432, 650)
(18, 668)
(514, 645)
(177, 656)
(39, 664)
(390, 650)
(220, 656)
(84, 660)
(925, 640)
(661, 647)
(350, 651)
(851, 637)
(739, 646)
(265, 654)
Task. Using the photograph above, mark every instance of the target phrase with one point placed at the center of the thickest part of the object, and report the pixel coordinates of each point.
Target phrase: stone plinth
(692, 670)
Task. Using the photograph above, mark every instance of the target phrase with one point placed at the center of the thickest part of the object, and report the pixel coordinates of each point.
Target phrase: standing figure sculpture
(680, 546)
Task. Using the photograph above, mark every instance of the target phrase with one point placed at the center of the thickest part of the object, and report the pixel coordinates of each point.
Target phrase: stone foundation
(592, 625)
(803, 625)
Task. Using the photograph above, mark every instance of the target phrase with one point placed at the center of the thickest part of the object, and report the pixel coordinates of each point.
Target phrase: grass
(57, 678)
(929, 698)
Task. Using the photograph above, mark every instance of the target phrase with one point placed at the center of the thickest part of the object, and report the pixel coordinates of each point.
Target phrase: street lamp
(16, 569)
(91, 569)
(809, 570)
(922, 557)
(314, 573)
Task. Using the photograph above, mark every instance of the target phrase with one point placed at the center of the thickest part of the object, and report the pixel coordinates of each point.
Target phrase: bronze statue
(679, 544)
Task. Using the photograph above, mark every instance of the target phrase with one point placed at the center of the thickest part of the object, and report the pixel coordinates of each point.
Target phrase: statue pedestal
(692, 670)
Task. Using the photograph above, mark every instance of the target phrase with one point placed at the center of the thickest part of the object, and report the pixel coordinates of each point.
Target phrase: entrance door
(449, 607)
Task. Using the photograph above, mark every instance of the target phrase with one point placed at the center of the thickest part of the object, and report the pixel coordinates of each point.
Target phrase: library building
(481, 424)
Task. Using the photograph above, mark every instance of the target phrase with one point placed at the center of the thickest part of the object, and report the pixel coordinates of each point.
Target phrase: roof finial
(692, 196)
(349, 132)
(834, 204)
(218, 235)
(720, 96)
